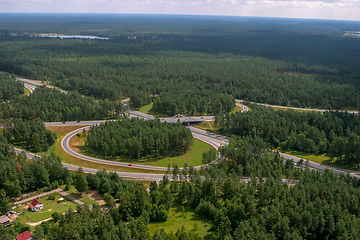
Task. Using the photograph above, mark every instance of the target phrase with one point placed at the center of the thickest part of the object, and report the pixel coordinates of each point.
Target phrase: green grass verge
(236, 109)
(193, 157)
(50, 206)
(176, 220)
(67, 158)
(320, 158)
(208, 125)
(26, 91)
(146, 108)
(60, 132)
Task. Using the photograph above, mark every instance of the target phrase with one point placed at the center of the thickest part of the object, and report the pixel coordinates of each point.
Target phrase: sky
(316, 9)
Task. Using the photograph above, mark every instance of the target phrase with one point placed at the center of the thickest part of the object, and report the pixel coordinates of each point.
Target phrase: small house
(4, 220)
(36, 205)
(24, 236)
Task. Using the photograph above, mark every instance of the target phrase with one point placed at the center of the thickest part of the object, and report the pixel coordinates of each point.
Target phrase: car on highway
(64, 122)
(77, 121)
(129, 164)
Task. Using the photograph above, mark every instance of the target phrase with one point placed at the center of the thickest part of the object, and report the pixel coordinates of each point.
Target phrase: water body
(77, 37)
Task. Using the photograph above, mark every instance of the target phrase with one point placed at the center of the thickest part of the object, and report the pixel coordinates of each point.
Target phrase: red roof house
(24, 236)
(36, 205)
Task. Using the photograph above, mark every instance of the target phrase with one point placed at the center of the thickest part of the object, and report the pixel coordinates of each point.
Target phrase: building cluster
(353, 33)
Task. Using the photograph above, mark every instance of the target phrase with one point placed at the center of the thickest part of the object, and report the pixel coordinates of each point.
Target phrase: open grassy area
(146, 183)
(67, 158)
(192, 157)
(176, 220)
(208, 125)
(237, 109)
(26, 91)
(90, 197)
(50, 206)
(320, 158)
(146, 108)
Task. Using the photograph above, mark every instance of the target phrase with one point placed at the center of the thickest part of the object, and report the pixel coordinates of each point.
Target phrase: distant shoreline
(77, 37)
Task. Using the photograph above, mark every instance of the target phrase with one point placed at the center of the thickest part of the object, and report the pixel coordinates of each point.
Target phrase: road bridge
(215, 139)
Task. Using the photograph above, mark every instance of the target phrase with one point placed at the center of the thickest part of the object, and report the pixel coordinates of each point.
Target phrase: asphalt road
(126, 175)
(30, 87)
(245, 108)
(295, 108)
(213, 139)
(65, 145)
(36, 83)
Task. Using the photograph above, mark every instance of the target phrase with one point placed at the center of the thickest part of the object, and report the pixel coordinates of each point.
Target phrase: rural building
(4, 220)
(36, 205)
(24, 236)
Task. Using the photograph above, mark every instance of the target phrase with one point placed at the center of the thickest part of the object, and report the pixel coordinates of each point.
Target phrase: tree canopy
(136, 138)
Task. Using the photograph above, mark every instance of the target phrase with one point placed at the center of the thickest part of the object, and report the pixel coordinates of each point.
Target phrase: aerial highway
(296, 108)
(65, 145)
(213, 139)
(125, 175)
(34, 83)
(30, 87)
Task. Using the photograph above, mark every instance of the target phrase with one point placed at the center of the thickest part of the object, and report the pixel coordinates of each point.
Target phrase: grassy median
(61, 131)
(193, 157)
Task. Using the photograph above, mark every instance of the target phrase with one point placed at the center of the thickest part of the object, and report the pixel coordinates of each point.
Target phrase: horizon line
(185, 14)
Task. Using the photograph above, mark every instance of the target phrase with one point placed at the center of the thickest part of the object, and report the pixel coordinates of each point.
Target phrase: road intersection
(213, 139)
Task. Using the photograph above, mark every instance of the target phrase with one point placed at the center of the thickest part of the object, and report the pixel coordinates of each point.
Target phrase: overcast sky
(321, 9)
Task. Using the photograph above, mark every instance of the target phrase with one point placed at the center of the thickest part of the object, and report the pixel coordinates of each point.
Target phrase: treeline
(252, 194)
(192, 103)
(51, 105)
(137, 138)
(135, 201)
(30, 134)
(334, 133)
(139, 99)
(281, 70)
(9, 87)
(92, 87)
(306, 205)
(18, 175)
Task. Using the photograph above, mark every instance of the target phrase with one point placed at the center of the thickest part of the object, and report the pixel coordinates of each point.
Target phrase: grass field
(26, 91)
(320, 158)
(146, 183)
(176, 220)
(50, 206)
(193, 157)
(208, 125)
(146, 108)
(236, 109)
(67, 158)
(90, 197)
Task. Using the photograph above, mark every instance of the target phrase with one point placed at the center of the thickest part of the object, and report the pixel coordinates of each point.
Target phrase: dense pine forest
(18, 175)
(50, 105)
(190, 65)
(274, 62)
(192, 103)
(9, 88)
(136, 138)
(282, 201)
(333, 133)
(32, 134)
